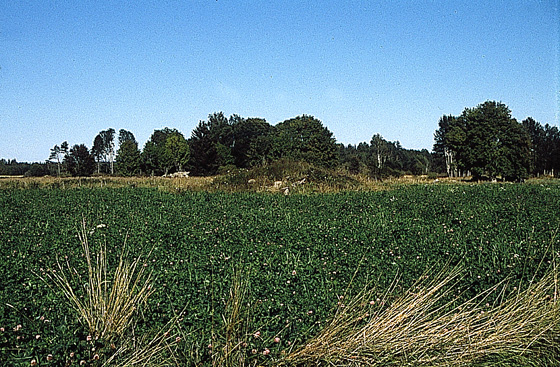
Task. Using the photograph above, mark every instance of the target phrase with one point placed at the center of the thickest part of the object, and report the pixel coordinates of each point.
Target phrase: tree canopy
(304, 138)
(486, 141)
(79, 161)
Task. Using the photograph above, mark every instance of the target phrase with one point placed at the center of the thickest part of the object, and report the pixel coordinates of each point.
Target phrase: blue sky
(69, 69)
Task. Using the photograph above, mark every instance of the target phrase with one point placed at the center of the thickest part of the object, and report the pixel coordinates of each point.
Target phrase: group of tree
(11, 167)
(167, 150)
(488, 143)
(221, 143)
(484, 141)
(381, 158)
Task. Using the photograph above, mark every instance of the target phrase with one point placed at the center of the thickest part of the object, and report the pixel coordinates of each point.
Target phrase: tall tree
(442, 147)
(128, 158)
(125, 135)
(381, 151)
(98, 151)
(79, 161)
(104, 146)
(250, 141)
(552, 154)
(488, 142)
(58, 154)
(538, 145)
(305, 138)
(210, 144)
(176, 152)
(154, 158)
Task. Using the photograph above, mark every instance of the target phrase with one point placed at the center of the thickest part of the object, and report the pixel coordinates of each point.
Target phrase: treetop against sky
(69, 71)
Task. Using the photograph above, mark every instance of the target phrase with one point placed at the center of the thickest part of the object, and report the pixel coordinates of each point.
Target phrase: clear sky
(69, 69)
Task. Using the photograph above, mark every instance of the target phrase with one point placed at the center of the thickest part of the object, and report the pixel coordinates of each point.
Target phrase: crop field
(288, 262)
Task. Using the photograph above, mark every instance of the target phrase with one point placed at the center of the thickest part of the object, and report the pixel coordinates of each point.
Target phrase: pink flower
(178, 339)
(372, 302)
(294, 272)
(277, 340)
(257, 334)
(266, 352)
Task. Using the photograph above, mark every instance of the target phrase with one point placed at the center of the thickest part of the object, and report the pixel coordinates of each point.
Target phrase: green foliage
(252, 143)
(304, 138)
(58, 154)
(176, 152)
(37, 170)
(14, 168)
(157, 158)
(128, 158)
(384, 159)
(298, 255)
(103, 150)
(206, 154)
(545, 152)
(79, 161)
(486, 141)
(125, 135)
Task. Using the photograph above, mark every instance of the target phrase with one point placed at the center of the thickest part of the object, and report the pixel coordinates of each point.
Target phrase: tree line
(484, 141)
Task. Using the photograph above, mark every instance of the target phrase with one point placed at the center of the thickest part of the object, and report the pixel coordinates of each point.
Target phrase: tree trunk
(111, 159)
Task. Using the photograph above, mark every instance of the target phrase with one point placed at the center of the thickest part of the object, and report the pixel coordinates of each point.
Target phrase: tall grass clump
(420, 328)
(229, 336)
(108, 303)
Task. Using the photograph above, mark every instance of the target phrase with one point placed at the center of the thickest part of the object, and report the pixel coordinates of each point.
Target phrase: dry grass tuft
(228, 340)
(111, 300)
(109, 308)
(418, 330)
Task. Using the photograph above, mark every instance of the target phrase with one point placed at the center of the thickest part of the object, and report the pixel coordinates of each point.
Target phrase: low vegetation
(246, 278)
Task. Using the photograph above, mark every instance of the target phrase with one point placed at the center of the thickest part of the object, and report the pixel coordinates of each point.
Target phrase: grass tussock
(109, 306)
(228, 340)
(111, 298)
(418, 330)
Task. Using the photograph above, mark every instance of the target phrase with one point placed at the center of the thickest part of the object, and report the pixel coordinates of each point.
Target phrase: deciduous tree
(488, 142)
(206, 155)
(104, 148)
(176, 152)
(305, 138)
(58, 154)
(154, 157)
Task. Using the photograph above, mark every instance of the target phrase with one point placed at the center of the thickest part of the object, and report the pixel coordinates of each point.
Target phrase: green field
(295, 254)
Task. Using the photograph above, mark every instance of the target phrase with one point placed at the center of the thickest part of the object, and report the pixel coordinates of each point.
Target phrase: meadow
(271, 271)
